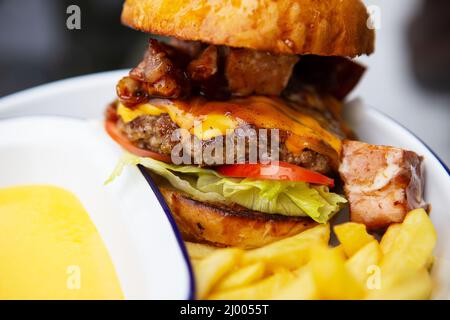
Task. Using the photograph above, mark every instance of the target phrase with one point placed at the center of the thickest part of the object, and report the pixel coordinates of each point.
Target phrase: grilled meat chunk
(381, 183)
(254, 72)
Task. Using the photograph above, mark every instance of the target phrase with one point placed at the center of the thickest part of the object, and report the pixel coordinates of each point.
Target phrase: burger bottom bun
(224, 226)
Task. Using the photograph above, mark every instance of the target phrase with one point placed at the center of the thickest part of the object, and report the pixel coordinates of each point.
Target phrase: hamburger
(235, 110)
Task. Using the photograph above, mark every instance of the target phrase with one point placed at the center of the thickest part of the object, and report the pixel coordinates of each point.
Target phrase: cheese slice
(208, 119)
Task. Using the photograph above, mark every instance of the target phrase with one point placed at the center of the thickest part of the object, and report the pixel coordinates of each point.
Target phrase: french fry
(389, 237)
(304, 267)
(340, 250)
(211, 269)
(412, 249)
(290, 253)
(359, 264)
(331, 276)
(262, 290)
(241, 277)
(352, 236)
(416, 286)
(198, 250)
(302, 287)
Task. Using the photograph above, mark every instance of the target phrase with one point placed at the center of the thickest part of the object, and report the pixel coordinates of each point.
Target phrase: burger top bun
(320, 27)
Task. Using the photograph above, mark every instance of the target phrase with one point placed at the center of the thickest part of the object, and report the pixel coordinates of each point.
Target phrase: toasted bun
(230, 226)
(320, 27)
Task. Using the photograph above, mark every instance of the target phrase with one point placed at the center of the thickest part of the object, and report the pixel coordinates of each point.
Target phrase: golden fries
(302, 287)
(413, 246)
(242, 277)
(389, 236)
(263, 290)
(305, 267)
(210, 270)
(415, 286)
(331, 277)
(290, 253)
(198, 250)
(361, 262)
(352, 236)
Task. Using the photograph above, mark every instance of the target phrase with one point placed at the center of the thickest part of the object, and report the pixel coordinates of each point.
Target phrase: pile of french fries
(305, 267)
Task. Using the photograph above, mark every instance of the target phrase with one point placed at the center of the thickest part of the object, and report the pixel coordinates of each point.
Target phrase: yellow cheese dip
(50, 249)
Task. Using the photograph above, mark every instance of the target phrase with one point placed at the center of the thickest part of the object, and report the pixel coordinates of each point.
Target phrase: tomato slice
(114, 133)
(274, 171)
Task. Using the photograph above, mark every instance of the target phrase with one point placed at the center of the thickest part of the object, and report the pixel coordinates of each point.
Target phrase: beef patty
(157, 133)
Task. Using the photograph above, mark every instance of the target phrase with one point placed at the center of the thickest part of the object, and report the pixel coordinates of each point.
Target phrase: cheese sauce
(50, 249)
(208, 119)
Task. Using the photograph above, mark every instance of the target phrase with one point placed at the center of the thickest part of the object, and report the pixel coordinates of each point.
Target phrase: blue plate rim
(176, 231)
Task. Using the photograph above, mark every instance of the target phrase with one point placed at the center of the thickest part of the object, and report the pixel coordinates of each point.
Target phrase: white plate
(87, 97)
(78, 156)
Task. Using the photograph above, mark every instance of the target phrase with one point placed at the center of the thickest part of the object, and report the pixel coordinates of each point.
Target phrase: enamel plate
(133, 220)
(146, 250)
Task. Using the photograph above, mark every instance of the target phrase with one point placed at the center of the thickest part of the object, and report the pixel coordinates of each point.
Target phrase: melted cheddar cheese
(208, 119)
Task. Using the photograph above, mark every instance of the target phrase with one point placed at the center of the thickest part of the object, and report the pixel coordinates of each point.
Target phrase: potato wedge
(211, 269)
(302, 287)
(361, 261)
(242, 277)
(415, 286)
(290, 253)
(412, 249)
(332, 278)
(263, 290)
(352, 236)
(198, 250)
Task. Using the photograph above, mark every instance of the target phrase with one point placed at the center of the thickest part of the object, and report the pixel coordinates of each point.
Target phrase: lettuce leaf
(268, 196)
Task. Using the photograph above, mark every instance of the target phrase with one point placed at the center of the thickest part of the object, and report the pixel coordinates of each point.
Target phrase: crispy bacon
(188, 68)
(131, 91)
(205, 65)
(155, 64)
(190, 48)
(332, 75)
(160, 76)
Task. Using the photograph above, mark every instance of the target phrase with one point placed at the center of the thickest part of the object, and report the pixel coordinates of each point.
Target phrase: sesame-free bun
(232, 225)
(320, 27)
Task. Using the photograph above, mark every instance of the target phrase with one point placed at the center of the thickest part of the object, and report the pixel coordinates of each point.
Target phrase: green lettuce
(268, 196)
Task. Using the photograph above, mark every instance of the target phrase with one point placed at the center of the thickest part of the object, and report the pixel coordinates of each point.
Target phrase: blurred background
(408, 76)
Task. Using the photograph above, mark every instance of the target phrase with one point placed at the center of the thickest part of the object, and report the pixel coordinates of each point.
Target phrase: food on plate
(284, 26)
(381, 183)
(199, 250)
(235, 113)
(198, 221)
(241, 129)
(352, 236)
(305, 267)
(50, 248)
